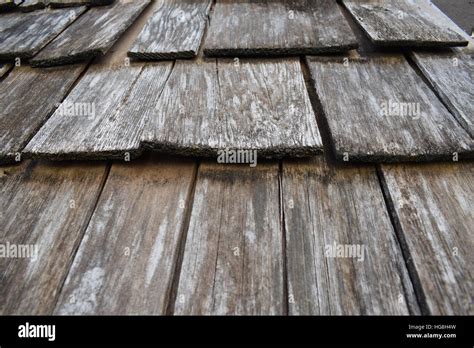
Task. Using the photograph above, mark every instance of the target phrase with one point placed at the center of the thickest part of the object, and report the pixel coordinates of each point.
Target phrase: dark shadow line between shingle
(172, 292)
(286, 301)
(419, 72)
(403, 247)
(84, 227)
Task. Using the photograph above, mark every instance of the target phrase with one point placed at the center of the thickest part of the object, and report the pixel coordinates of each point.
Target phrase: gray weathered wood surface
(433, 205)
(232, 261)
(415, 23)
(246, 104)
(127, 259)
(460, 11)
(326, 205)
(22, 35)
(29, 97)
(32, 5)
(357, 98)
(71, 3)
(175, 30)
(115, 102)
(452, 76)
(92, 35)
(263, 27)
(48, 206)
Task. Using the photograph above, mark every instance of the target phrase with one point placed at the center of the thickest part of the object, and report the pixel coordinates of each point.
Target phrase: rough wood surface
(232, 261)
(22, 35)
(257, 105)
(126, 261)
(328, 207)
(91, 35)
(32, 5)
(267, 27)
(118, 98)
(452, 76)
(379, 109)
(433, 207)
(71, 3)
(415, 23)
(45, 206)
(174, 30)
(29, 97)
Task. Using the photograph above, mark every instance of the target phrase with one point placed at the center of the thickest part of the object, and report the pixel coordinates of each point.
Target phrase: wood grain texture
(92, 35)
(433, 208)
(415, 23)
(326, 205)
(379, 109)
(232, 261)
(174, 30)
(32, 5)
(116, 102)
(22, 35)
(254, 105)
(29, 97)
(47, 206)
(128, 255)
(270, 28)
(452, 76)
(71, 3)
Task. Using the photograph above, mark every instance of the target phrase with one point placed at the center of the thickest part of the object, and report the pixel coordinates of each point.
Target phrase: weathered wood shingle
(263, 28)
(174, 30)
(29, 97)
(246, 104)
(103, 117)
(22, 35)
(45, 207)
(379, 109)
(415, 23)
(92, 35)
(127, 259)
(452, 76)
(232, 261)
(433, 208)
(342, 253)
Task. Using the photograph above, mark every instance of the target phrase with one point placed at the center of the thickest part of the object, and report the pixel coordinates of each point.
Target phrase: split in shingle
(379, 109)
(232, 261)
(29, 96)
(22, 35)
(4, 68)
(174, 30)
(103, 116)
(47, 206)
(432, 204)
(241, 105)
(71, 3)
(327, 209)
(151, 198)
(269, 28)
(91, 35)
(415, 23)
(452, 76)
